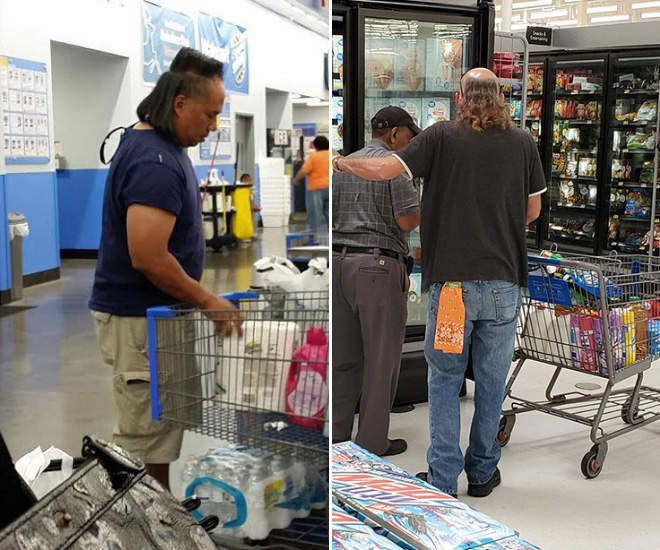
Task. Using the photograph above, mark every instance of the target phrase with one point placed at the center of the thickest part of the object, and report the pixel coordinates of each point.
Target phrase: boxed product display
(587, 167)
(411, 512)
(349, 533)
(409, 64)
(412, 106)
(441, 74)
(435, 110)
(379, 64)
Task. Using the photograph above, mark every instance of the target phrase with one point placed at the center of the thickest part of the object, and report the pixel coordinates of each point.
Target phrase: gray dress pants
(369, 313)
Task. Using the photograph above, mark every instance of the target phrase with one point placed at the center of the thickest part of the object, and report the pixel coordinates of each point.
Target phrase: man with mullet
(483, 184)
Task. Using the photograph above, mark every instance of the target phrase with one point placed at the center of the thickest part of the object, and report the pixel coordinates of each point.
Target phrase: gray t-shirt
(474, 205)
(364, 212)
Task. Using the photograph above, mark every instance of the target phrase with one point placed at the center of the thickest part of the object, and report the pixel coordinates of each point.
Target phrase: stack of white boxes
(275, 193)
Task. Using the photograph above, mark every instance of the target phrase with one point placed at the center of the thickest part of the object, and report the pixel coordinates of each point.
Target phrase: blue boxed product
(349, 533)
(412, 513)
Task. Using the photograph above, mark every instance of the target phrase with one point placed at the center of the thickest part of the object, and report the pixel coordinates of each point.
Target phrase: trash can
(18, 229)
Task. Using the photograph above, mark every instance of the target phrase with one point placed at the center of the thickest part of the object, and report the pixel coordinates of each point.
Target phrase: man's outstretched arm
(372, 168)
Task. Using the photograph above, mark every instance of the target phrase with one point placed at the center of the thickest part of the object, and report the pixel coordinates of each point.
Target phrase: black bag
(109, 503)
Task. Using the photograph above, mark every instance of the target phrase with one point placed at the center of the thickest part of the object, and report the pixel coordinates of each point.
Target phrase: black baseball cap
(390, 117)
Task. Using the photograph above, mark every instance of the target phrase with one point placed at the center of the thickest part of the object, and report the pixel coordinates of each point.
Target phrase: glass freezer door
(632, 154)
(415, 65)
(576, 145)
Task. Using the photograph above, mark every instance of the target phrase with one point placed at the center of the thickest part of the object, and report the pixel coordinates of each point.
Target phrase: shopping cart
(306, 245)
(599, 316)
(266, 389)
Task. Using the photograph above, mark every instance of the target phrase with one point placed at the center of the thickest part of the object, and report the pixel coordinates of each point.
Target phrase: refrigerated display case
(409, 54)
(631, 152)
(575, 100)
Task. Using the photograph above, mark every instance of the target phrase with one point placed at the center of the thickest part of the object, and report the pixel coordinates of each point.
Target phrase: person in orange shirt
(317, 170)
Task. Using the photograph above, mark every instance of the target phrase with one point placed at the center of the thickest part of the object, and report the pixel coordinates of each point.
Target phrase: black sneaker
(396, 447)
(485, 489)
(424, 476)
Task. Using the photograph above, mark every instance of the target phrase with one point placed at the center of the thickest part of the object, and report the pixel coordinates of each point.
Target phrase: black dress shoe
(396, 447)
(424, 476)
(485, 489)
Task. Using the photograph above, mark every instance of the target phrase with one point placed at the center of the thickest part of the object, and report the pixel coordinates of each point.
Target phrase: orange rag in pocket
(450, 322)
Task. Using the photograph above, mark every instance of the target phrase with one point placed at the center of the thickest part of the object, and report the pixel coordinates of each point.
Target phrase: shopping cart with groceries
(599, 316)
(262, 395)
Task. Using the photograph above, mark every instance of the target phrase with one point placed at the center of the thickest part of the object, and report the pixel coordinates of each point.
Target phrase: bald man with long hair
(483, 184)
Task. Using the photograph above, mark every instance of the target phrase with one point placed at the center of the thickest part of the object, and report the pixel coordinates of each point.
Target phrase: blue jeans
(491, 313)
(318, 209)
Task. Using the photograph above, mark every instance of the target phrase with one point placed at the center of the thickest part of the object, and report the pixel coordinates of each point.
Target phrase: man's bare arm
(149, 230)
(533, 208)
(372, 168)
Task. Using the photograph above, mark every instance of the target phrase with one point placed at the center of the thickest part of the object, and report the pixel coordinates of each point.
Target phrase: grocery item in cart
(654, 337)
(349, 533)
(306, 387)
(252, 491)
(535, 335)
(628, 322)
(641, 325)
(252, 369)
(583, 341)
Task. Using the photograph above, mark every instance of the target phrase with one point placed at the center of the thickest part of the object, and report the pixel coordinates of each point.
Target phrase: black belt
(359, 250)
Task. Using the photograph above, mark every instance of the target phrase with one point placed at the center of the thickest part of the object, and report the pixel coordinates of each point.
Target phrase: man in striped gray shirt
(370, 284)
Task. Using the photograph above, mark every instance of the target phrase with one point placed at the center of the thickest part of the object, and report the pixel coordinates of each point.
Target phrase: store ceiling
(577, 13)
(295, 11)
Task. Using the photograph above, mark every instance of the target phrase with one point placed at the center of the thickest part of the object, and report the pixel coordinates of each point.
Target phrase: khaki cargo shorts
(124, 346)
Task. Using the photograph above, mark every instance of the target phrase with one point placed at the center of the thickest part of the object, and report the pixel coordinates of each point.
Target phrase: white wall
(282, 55)
(313, 115)
(89, 98)
(278, 110)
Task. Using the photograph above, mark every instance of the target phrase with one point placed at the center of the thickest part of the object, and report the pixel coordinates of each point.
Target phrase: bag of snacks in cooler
(641, 141)
(646, 175)
(648, 111)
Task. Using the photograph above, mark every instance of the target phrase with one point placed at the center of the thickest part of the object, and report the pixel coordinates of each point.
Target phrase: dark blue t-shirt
(151, 170)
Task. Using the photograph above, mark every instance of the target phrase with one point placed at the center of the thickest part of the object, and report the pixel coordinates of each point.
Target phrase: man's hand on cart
(227, 317)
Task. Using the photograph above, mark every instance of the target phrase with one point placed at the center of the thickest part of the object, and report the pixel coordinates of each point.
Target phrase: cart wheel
(630, 415)
(506, 427)
(590, 466)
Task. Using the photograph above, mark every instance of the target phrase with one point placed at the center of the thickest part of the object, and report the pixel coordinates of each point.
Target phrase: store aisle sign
(164, 33)
(227, 43)
(26, 126)
(541, 36)
(224, 136)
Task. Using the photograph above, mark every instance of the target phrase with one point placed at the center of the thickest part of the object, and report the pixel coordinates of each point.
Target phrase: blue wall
(35, 196)
(80, 200)
(4, 240)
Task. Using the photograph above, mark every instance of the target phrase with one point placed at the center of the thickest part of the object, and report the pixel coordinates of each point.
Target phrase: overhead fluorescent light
(564, 23)
(602, 9)
(548, 14)
(320, 104)
(644, 5)
(519, 26)
(532, 4)
(295, 96)
(572, 1)
(651, 14)
(609, 18)
(498, 20)
(498, 8)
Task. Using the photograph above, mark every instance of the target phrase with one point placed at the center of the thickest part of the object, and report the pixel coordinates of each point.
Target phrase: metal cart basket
(599, 316)
(244, 390)
(266, 389)
(306, 245)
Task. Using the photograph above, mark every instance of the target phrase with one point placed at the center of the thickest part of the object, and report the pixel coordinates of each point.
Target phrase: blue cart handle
(239, 500)
(543, 260)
